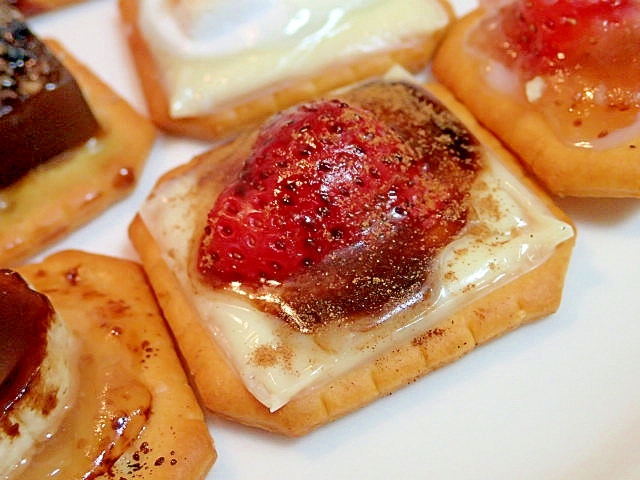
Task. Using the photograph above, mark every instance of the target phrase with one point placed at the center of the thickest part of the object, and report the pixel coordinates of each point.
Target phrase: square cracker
(93, 289)
(70, 189)
(527, 298)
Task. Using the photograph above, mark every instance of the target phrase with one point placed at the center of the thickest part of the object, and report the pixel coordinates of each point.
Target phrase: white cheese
(213, 52)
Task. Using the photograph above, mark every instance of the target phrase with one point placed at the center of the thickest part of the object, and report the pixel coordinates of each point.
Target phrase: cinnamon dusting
(270, 356)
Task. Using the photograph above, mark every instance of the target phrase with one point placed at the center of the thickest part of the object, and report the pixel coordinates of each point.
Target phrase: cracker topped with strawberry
(559, 83)
(348, 246)
(578, 60)
(326, 184)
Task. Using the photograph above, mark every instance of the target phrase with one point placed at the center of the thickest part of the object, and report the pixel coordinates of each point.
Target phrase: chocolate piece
(25, 316)
(42, 110)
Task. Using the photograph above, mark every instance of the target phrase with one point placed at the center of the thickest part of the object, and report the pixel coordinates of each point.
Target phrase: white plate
(559, 399)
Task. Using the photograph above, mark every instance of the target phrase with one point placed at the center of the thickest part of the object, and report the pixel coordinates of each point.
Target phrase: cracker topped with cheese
(348, 246)
(210, 69)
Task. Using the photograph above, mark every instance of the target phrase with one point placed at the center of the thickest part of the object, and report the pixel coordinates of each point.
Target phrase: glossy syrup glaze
(341, 206)
(576, 61)
(108, 407)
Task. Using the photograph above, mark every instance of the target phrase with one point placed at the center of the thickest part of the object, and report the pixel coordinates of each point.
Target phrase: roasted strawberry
(319, 178)
(337, 209)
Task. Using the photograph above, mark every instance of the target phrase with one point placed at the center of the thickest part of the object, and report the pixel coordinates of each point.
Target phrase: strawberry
(341, 206)
(321, 177)
(543, 36)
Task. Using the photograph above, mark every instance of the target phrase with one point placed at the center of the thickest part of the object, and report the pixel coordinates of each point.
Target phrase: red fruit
(320, 177)
(545, 35)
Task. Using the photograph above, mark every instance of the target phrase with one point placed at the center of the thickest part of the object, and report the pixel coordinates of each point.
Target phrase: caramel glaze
(42, 110)
(111, 406)
(25, 316)
(367, 281)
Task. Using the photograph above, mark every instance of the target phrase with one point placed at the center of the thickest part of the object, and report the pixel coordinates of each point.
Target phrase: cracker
(233, 120)
(69, 190)
(565, 170)
(527, 298)
(93, 289)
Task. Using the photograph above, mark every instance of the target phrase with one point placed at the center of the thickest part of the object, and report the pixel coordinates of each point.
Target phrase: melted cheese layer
(510, 233)
(212, 53)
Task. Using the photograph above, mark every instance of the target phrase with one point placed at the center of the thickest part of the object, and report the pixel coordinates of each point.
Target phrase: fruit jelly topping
(543, 36)
(341, 205)
(42, 110)
(580, 59)
(25, 316)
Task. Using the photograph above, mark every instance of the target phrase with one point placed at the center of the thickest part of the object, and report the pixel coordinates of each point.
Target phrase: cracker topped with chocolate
(69, 145)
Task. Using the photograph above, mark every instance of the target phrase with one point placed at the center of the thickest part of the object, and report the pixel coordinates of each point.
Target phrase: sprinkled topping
(24, 68)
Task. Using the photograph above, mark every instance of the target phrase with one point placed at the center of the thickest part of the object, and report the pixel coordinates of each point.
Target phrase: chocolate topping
(25, 316)
(42, 110)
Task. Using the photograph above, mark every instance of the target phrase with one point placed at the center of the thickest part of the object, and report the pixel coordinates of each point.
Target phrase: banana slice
(37, 363)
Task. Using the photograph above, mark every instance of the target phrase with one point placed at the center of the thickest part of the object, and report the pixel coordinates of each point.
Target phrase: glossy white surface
(559, 399)
(282, 41)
